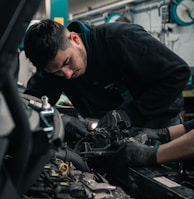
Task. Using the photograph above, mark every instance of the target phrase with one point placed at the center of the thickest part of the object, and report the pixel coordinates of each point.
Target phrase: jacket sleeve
(41, 84)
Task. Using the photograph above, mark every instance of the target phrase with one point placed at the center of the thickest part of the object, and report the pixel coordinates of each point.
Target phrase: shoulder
(78, 26)
(121, 27)
(113, 28)
(120, 31)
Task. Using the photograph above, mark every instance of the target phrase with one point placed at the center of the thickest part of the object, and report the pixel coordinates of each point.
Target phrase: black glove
(189, 125)
(74, 128)
(135, 154)
(115, 119)
(162, 135)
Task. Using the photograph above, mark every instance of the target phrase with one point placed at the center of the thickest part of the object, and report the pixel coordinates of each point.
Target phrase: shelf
(189, 114)
(188, 93)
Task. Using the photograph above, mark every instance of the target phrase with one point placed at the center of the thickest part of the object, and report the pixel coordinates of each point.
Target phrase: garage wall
(180, 39)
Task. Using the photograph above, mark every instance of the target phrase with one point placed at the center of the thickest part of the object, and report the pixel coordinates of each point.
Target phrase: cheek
(81, 56)
(77, 61)
(82, 60)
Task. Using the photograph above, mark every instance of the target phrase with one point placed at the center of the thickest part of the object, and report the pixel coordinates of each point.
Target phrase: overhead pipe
(101, 9)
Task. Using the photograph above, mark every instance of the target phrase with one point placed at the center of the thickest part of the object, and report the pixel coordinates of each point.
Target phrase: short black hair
(123, 19)
(42, 41)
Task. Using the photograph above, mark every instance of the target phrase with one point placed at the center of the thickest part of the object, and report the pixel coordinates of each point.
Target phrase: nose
(67, 72)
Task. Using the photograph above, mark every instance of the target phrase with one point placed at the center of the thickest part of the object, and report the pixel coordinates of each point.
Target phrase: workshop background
(170, 21)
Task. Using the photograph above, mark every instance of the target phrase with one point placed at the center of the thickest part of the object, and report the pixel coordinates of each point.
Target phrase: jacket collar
(79, 27)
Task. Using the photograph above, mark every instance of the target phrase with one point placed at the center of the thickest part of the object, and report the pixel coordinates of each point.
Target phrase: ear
(74, 38)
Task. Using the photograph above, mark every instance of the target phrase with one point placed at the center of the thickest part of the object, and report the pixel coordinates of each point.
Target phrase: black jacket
(127, 68)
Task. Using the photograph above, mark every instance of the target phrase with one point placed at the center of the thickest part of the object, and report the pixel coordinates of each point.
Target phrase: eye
(66, 62)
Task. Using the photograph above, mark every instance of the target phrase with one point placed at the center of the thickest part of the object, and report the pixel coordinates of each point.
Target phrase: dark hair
(123, 19)
(43, 40)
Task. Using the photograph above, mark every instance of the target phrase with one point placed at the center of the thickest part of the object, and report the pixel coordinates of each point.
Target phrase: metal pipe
(101, 9)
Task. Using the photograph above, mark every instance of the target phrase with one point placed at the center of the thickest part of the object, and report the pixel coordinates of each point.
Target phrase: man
(111, 66)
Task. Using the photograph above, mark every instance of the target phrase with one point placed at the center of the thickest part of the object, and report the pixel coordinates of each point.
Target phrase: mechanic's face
(71, 62)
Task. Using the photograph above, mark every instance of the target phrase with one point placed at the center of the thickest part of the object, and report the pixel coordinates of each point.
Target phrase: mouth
(76, 74)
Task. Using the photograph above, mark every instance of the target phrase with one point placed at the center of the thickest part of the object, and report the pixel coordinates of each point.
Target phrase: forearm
(178, 149)
(179, 130)
(176, 131)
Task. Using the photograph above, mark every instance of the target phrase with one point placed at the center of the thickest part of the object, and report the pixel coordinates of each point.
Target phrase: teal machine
(59, 11)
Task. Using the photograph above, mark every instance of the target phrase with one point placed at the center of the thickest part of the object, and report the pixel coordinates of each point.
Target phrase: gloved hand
(134, 154)
(115, 119)
(74, 128)
(162, 135)
(189, 125)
